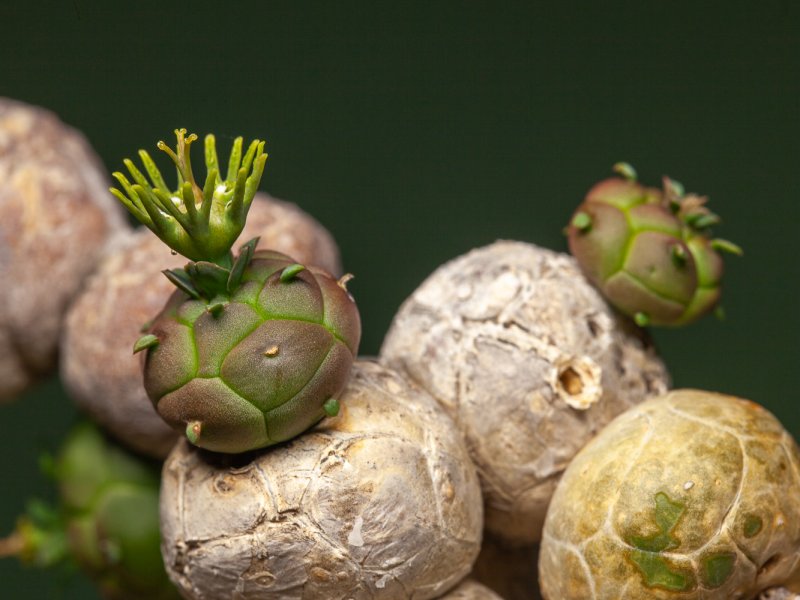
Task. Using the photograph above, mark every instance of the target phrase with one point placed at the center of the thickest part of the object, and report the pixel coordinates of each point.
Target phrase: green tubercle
(582, 221)
(193, 431)
(291, 271)
(331, 407)
(200, 223)
(145, 342)
(626, 170)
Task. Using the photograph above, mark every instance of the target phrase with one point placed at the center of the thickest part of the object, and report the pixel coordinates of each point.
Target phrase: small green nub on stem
(291, 271)
(216, 307)
(679, 255)
(200, 223)
(721, 245)
(145, 342)
(626, 170)
(582, 221)
(702, 220)
(193, 431)
(331, 407)
(641, 319)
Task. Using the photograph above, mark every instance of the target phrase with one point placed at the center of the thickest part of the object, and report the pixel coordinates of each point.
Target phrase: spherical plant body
(529, 361)
(249, 351)
(692, 495)
(650, 252)
(55, 220)
(124, 293)
(381, 503)
(107, 522)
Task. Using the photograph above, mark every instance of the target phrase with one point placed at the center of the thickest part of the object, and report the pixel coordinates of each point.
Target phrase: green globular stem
(200, 223)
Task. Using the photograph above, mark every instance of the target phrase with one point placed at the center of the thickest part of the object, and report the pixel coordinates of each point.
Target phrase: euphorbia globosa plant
(650, 252)
(249, 351)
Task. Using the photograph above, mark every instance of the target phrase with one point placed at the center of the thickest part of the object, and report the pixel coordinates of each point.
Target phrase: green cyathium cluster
(201, 224)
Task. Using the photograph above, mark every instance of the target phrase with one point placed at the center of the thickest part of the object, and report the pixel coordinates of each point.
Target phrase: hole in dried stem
(571, 381)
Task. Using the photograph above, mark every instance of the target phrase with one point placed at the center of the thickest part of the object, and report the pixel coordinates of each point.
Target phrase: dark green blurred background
(416, 131)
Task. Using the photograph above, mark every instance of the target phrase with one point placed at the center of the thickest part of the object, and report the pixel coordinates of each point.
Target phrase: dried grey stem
(380, 502)
(529, 361)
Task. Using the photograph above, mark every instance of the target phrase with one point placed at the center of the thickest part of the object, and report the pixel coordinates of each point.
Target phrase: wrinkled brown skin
(530, 362)
(728, 466)
(128, 289)
(380, 502)
(508, 570)
(56, 216)
(471, 590)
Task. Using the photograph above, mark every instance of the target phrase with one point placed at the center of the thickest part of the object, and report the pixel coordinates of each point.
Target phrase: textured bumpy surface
(529, 360)
(261, 370)
(379, 503)
(97, 364)
(55, 217)
(692, 495)
(471, 590)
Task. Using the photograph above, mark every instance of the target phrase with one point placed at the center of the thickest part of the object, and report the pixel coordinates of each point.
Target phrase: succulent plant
(55, 218)
(250, 351)
(649, 251)
(380, 503)
(126, 290)
(692, 495)
(107, 522)
(530, 362)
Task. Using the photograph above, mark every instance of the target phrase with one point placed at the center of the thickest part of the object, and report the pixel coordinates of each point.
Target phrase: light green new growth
(201, 224)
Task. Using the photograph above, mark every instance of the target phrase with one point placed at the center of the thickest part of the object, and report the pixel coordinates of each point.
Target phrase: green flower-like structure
(249, 351)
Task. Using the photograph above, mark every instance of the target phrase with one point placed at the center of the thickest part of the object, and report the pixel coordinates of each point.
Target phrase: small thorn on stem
(679, 255)
(342, 281)
(582, 221)
(291, 271)
(721, 245)
(331, 407)
(641, 319)
(193, 431)
(272, 351)
(216, 308)
(145, 342)
(626, 170)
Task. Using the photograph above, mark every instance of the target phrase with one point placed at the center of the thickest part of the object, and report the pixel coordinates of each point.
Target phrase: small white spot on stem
(688, 485)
